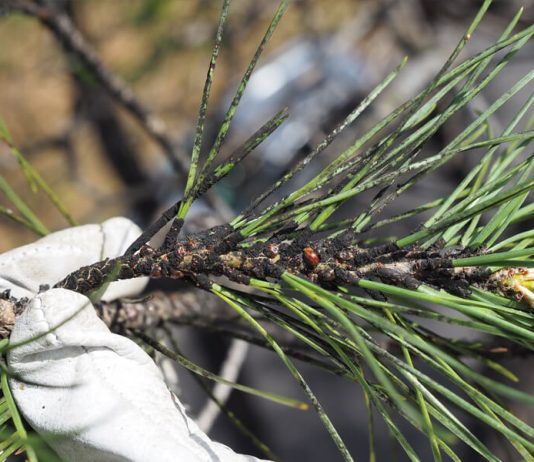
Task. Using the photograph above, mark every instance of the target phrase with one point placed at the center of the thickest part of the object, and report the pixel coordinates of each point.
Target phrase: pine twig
(329, 262)
(73, 42)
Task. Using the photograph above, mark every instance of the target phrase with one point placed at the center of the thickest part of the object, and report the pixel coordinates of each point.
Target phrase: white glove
(94, 395)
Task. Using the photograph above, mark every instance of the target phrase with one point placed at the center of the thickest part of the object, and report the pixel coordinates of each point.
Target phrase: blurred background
(104, 158)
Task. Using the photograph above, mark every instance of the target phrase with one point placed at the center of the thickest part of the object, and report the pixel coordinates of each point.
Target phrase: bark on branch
(327, 262)
(201, 310)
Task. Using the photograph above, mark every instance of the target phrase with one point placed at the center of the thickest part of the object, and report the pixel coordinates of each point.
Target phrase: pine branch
(328, 262)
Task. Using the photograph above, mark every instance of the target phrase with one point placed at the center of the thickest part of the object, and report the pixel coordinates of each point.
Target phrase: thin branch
(191, 308)
(230, 369)
(73, 41)
(187, 307)
(220, 172)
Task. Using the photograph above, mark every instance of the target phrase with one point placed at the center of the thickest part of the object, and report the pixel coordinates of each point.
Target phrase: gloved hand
(94, 395)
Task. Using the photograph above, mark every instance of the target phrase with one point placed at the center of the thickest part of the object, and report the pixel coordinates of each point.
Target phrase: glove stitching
(51, 331)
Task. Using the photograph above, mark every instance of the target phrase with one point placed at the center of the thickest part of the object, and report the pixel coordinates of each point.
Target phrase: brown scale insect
(155, 271)
(176, 274)
(327, 275)
(180, 252)
(271, 250)
(311, 257)
(344, 255)
(146, 250)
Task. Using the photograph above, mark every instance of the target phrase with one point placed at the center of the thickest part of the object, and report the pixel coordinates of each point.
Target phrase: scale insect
(311, 257)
